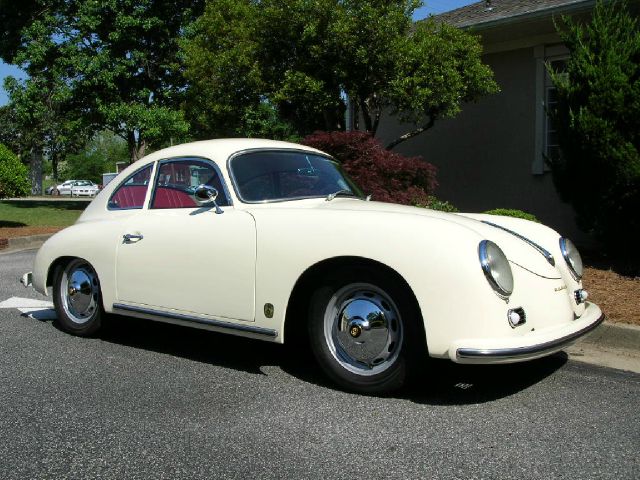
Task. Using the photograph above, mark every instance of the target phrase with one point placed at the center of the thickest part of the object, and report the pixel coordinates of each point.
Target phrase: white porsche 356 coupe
(251, 236)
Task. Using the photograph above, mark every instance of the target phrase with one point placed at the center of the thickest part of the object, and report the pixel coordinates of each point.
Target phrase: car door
(180, 257)
(65, 188)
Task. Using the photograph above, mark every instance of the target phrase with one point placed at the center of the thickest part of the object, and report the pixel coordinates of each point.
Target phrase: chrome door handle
(130, 238)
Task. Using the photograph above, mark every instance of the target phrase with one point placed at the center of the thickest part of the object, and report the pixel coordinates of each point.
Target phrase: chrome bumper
(523, 352)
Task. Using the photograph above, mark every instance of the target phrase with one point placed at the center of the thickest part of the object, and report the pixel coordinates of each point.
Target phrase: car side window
(132, 192)
(177, 180)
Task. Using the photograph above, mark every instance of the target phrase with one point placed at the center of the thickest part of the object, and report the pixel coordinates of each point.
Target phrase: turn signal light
(581, 296)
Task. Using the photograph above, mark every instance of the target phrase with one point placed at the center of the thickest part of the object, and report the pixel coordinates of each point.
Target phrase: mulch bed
(13, 232)
(617, 295)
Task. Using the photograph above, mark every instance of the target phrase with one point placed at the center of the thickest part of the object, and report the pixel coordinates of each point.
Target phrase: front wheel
(364, 330)
(77, 298)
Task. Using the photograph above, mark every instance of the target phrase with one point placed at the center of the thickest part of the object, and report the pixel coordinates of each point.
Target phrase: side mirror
(206, 194)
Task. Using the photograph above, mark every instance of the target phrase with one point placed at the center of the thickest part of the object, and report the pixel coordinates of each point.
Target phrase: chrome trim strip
(203, 321)
(565, 255)
(484, 263)
(513, 353)
(545, 253)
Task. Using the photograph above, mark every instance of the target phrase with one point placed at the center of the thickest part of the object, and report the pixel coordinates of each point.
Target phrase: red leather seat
(130, 196)
(166, 197)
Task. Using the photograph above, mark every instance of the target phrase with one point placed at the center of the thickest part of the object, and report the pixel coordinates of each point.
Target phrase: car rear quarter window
(132, 192)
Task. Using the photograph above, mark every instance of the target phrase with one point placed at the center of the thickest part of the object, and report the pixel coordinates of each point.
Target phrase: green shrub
(14, 176)
(434, 203)
(511, 212)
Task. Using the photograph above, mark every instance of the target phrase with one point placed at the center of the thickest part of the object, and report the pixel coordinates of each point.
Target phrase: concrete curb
(9, 245)
(615, 335)
(611, 345)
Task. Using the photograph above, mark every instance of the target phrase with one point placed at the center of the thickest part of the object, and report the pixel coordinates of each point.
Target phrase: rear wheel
(364, 330)
(77, 298)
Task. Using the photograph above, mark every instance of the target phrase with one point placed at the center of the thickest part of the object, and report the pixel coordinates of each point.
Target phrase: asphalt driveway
(148, 400)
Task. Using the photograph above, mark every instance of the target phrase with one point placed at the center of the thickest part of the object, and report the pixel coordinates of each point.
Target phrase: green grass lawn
(22, 213)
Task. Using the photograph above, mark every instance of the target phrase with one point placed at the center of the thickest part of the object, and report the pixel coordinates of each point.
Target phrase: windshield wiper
(344, 191)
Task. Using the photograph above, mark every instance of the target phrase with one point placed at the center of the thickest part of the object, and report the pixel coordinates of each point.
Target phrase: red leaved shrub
(388, 176)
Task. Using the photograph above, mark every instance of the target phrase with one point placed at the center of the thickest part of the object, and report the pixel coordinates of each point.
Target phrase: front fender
(436, 257)
(95, 242)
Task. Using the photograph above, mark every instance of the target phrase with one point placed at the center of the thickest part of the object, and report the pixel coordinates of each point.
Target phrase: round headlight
(572, 257)
(496, 268)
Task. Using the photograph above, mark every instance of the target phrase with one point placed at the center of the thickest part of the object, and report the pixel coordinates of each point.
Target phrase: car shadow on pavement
(440, 382)
(446, 383)
(194, 344)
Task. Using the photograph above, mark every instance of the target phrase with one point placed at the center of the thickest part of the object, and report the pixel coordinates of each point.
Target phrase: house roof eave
(577, 7)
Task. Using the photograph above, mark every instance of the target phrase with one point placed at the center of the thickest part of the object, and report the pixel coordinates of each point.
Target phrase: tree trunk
(142, 148)
(366, 116)
(376, 123)
(36, 171)
(411, 134)
(137, 147)
(54, 166)
(133, 147)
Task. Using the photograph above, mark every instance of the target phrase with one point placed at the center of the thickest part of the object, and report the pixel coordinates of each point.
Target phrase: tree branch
(411, 134)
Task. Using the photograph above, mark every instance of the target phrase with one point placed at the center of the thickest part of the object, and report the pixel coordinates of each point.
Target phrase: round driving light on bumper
(572, 257)
(496, 268)
(516, 317)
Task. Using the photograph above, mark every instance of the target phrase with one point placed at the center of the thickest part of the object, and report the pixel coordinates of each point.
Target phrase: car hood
(522, 241)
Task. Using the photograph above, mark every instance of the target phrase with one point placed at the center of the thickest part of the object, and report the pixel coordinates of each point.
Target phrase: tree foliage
(14, 176)
(10, 133)
(128, 72)
(304, 56)
(598, 122)
(114, 63)
(387, 176)
(99, 155)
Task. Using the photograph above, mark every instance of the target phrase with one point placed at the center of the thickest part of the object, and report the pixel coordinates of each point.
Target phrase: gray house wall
(485, 155)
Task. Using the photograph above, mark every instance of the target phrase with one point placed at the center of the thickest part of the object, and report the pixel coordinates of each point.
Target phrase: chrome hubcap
(363, 329)
(79, 292)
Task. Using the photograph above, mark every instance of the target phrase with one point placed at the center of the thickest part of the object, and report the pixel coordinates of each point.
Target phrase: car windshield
(287, 175)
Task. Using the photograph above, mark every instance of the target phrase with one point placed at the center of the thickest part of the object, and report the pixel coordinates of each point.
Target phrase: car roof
(221, 149)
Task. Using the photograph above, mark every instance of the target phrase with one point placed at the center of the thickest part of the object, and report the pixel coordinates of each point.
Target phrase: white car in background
(76, 188)
(63, 187)
(84, 188)
(271, 240)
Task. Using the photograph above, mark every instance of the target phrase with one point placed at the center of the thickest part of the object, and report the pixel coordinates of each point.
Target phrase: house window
(551, 149)
(546, 137)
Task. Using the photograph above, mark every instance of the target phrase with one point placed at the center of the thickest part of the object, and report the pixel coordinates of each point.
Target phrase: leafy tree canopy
(115, 61)
(98, 156)
(302, 57)
(598, 122)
